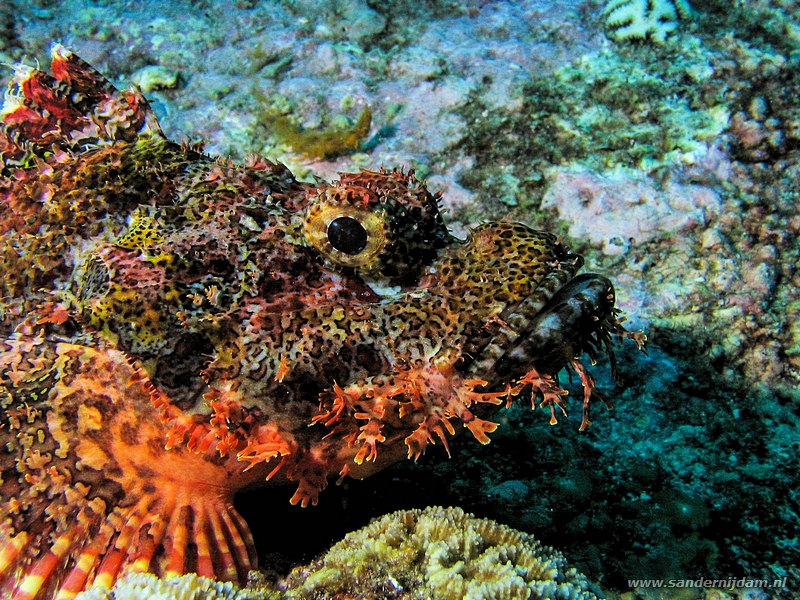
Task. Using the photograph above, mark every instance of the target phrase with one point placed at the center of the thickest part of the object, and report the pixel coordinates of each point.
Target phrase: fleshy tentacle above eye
(75, 106)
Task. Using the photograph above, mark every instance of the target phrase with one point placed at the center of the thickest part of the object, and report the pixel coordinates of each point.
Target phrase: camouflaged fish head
(177, 327)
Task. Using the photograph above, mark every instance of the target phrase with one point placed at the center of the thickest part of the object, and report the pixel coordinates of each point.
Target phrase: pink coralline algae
(615, 212)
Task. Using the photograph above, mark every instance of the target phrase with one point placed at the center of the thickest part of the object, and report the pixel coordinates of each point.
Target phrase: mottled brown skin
(176, 327)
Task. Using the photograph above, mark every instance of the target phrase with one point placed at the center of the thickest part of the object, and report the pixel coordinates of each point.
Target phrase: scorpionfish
(177, 327)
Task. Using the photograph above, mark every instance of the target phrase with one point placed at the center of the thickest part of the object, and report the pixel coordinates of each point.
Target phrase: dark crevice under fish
(177, 327)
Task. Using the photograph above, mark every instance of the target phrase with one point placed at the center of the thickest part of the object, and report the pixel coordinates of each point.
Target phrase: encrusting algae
(176, 328)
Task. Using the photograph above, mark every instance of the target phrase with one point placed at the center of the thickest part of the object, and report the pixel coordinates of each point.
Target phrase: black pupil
(347, 235)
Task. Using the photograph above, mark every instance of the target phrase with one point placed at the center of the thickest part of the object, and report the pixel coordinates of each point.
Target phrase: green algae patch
(335, 140)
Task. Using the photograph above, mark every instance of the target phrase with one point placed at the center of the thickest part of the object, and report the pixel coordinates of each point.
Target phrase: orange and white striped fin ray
(227, 563)
(111, 565)
(179, 535)
(172, 534)
(36, 576)
(87, 560)
(241, 547)
(11, 547)
(210, 540)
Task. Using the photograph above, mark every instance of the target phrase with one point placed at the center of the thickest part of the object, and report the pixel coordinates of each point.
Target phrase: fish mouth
(578, 319)
(546, 333)
(564, 315)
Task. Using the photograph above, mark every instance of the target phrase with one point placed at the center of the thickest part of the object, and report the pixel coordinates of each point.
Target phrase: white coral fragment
(140, 586)
(644, 19)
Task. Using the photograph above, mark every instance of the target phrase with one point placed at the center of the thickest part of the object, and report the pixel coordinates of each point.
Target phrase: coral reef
(714, 114)
(610, 111)
(10, 44)
(619, 211)
(644, 19)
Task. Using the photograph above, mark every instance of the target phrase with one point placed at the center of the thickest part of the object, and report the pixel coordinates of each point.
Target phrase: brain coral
(436, 552)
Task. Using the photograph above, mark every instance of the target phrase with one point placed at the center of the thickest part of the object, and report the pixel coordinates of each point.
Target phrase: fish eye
(350, 236)
(347, 235)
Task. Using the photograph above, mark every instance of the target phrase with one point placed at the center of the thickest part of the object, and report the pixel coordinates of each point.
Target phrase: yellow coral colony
(441, 553)
(644, 19)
